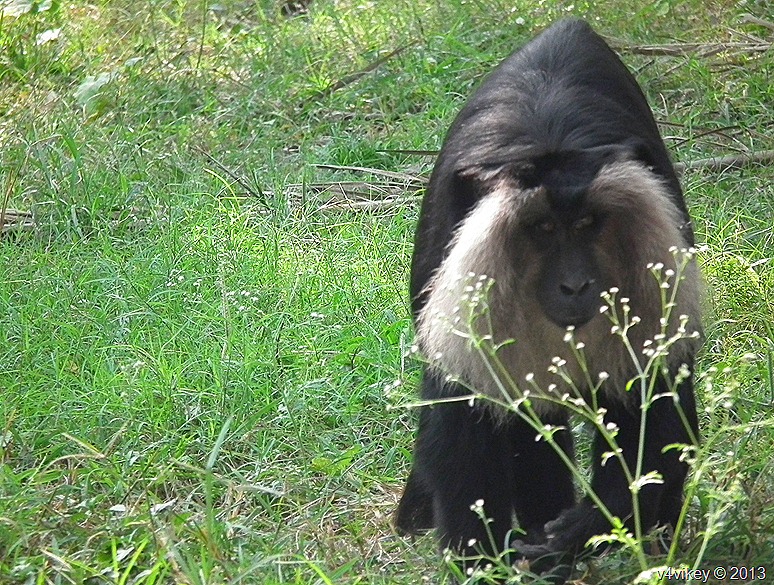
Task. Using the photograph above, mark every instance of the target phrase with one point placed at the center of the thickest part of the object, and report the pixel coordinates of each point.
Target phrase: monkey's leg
(463, 456)
(672, 500)
(415, 509)
(663, 427)
(543, 485)
(543, 490)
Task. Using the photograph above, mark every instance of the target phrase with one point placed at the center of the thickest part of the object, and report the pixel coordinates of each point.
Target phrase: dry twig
(750, 19)
(352, 77)
(13, 220)
(722, 163)
(378, 172)
(693, 49)
(257, 193)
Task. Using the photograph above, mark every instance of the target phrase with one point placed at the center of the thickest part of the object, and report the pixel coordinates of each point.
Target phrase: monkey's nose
(575, 289)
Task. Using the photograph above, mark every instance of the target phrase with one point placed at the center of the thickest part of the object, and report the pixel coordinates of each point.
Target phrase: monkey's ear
(482, 173)
(636, 149)
(471, 183)
(486, 174)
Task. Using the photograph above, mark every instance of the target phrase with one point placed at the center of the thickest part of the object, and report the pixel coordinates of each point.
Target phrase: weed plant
(649, 362)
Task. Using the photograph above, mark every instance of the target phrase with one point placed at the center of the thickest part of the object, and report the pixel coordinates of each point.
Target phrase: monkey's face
(570, 280)
(529, 261)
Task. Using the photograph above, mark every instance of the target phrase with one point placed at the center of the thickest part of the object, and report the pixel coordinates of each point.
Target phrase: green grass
(193, 370)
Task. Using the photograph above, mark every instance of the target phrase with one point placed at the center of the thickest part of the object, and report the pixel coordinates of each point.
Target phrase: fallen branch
(694, 49)
(350, 190)
(405, 177)
(352, 77)
(13, 220)
(411, 151)
(257, 193)
(750, 19)
(376, 205)
(722, 163)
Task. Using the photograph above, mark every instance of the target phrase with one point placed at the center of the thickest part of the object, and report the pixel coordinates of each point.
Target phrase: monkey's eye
(584, 222)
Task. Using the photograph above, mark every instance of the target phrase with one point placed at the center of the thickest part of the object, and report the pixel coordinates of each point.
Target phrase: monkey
(553, 188)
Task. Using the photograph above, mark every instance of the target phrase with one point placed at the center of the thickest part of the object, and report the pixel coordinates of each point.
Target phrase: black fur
(553, 113)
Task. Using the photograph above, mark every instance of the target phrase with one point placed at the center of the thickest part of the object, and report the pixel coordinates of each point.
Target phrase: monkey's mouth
(576, 320)
(571, 310)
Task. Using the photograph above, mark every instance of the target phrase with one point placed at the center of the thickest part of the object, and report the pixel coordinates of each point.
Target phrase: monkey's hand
(553, 566)
(531, 551)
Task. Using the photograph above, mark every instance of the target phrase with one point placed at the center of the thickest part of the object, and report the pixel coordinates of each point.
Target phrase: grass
(193, 370)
